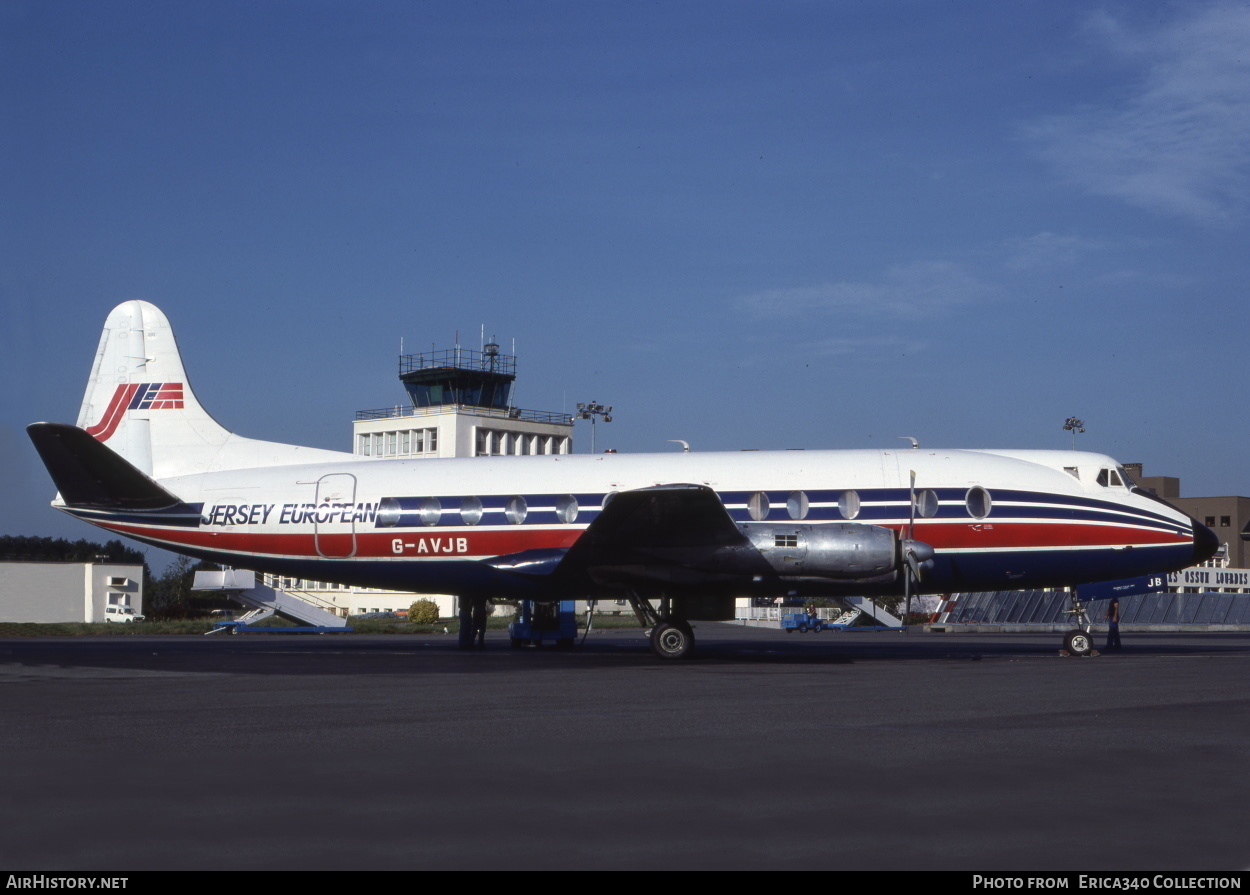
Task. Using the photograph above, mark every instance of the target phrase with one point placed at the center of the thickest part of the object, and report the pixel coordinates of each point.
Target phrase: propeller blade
(909, 559)
(911, 516)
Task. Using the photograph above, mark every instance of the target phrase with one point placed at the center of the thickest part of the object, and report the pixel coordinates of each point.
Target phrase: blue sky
(746, 225)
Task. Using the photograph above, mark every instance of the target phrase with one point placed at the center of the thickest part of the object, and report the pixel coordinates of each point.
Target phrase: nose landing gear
(1079, 641)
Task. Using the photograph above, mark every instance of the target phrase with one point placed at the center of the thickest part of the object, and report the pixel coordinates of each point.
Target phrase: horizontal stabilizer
(88, 474)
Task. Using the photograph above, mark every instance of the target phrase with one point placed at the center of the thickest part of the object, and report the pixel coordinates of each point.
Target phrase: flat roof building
(44, 592)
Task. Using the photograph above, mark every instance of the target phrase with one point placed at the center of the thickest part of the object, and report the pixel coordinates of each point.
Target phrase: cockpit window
(1109, 477)
(1073, 471)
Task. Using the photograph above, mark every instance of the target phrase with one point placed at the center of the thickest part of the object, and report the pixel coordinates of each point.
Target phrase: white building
(44, 592)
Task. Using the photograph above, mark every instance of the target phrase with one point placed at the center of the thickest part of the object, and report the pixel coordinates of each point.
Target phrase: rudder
(139, 402)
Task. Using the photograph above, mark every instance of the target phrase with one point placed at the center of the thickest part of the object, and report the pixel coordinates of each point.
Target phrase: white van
(121, 614)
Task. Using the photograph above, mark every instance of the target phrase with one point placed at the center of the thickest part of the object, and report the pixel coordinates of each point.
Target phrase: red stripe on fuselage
(1034, 534)
(478, 544)
(369, 544)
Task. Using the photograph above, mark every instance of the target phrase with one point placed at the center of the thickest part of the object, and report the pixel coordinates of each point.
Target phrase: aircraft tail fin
(139, 403)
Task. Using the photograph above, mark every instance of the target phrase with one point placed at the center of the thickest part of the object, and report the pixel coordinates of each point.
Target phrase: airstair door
(335, 526)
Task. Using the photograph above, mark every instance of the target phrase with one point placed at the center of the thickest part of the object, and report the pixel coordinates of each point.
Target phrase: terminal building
(459, 404)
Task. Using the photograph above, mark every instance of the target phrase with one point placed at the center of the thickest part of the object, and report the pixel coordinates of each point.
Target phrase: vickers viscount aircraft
(680, 535)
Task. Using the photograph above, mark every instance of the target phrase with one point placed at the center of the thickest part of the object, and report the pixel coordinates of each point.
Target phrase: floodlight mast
(592, 412)
(1073, 425)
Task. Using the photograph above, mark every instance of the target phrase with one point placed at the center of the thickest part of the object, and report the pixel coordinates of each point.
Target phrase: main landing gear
(671, 637)
(1079, 641)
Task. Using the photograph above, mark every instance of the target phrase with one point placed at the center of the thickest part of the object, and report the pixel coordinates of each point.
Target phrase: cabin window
(926, 504)
(797, 505)
(431, 509)
(470, 511)
(607, 499)
(848, 504)
(757, 506)
(515, 509)
(388, 512)
(566, 509)
(978, 502)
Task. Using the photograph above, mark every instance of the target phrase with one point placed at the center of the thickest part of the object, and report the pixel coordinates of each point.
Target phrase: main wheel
(1078, 643)
(672, 640)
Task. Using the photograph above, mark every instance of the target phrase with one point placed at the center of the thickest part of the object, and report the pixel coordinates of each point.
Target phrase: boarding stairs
(265, 601)
(845, 619)
(872, 610)
(877, 617)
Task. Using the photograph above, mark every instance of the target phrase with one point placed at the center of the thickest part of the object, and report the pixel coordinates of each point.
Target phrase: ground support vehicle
(549, 622)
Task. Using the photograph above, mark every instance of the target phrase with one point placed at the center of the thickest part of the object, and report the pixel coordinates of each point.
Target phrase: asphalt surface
(818, 751)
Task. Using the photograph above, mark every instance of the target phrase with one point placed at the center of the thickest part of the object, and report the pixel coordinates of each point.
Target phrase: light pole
(1073, 425)
(590, 412)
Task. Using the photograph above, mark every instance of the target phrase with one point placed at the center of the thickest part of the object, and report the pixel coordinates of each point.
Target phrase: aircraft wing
(667, 535)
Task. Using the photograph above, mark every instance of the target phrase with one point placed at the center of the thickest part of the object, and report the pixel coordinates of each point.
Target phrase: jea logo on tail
(136, 396)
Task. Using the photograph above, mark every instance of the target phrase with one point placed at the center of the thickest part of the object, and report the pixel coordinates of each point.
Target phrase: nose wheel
(1078, 641)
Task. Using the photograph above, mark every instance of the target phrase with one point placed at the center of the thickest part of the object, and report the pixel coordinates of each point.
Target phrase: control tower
(460, 376)
(459, 405)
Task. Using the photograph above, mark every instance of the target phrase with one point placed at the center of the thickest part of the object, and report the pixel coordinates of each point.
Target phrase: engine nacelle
(846, 551)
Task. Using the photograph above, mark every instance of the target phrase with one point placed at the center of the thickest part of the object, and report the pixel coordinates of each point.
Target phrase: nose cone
(1205, 542)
